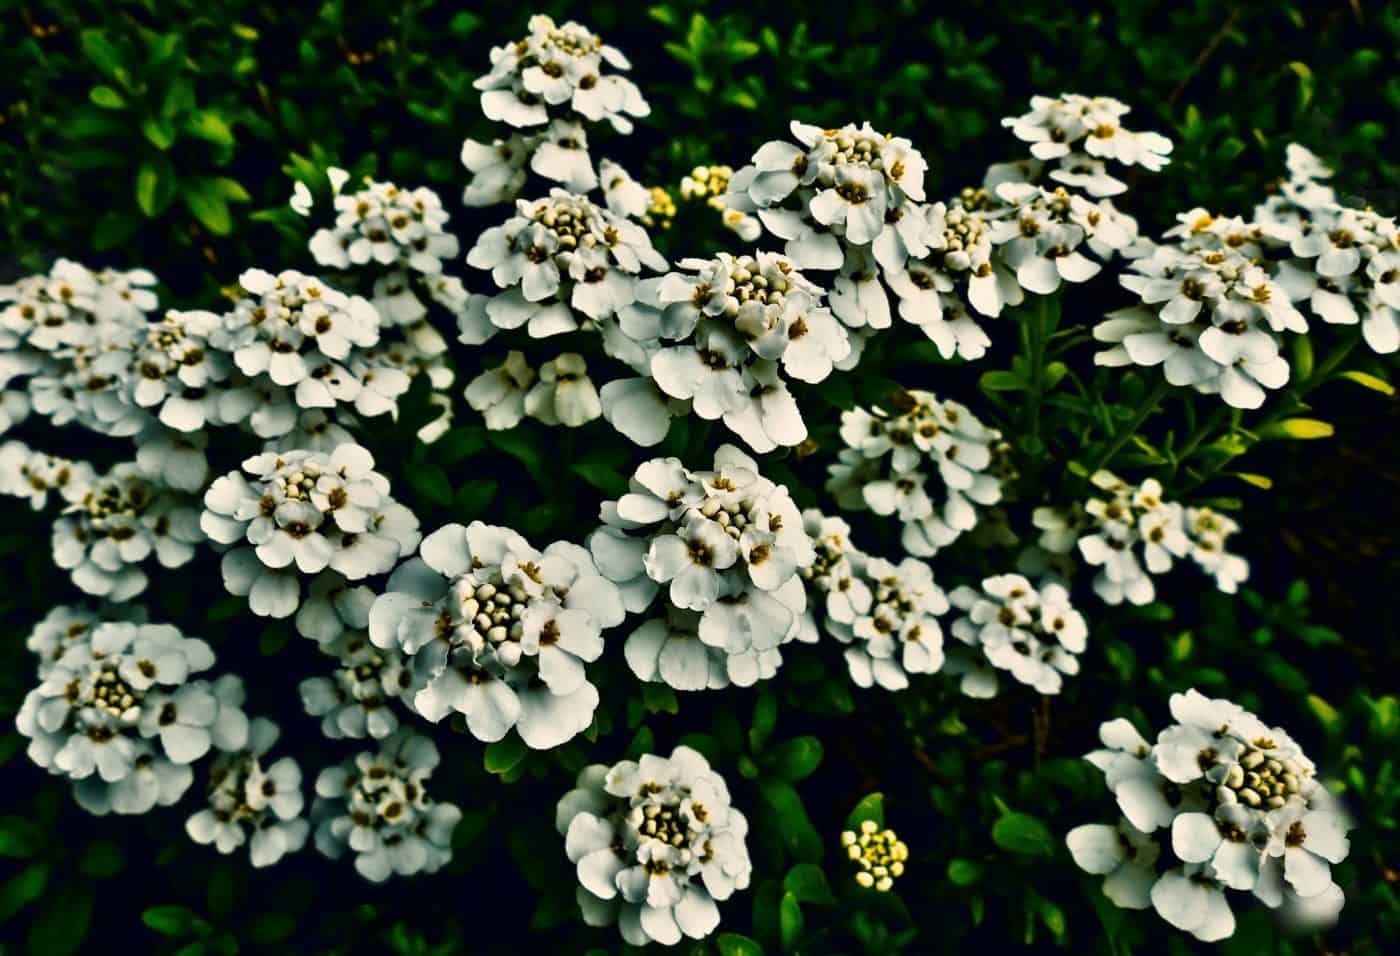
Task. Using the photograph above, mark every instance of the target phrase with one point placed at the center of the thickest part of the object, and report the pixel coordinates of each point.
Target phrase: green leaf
(155, 186)
(1023, 834)
(609, 481)
(964, 872)
(102, 860)
(790, 921)
(807, 882)
(1001, 382)
(62, 924)
(459, 444)
(643, 742)
(207, 203)
(1298, 429)
(788, 818)
(1366, 380)
(107, 98)
(732, 944)
(795, 759)
(19, 838)
(172, 920)
(431, 483)
(502, 755)
(23, 888)
(102, 54)
(210, 127)
(870, 807)
(159, 131)
(765, 717)
(660, 699)
(272, 928)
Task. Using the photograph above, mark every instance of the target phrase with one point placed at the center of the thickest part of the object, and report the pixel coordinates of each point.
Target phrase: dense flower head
(1039, 232)
(303, 337)
(922, 434)
(564, 263)
(171, 368)
(307, 512)
(119, 713)
(748, 317)
(1031, 631)
(558, 71)
(72, 306)
(656, 844)
(1232, 802)
(728, 544)
(119, 521)
(1082, 133)
(1135, 533)
(898, 635)
(499, 632)
(247, 803)
(393, 227)
(377, 806)
(357, 699)
(878, 854)
(33, 475)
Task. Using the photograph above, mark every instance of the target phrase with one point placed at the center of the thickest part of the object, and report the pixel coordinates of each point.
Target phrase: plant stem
(1150, 401)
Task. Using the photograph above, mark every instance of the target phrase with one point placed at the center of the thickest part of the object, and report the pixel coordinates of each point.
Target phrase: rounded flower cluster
(898, 635)
(61, 628)
(392, 227)
(118, 522)
(119, 714)
(1039, 232)
(355, 701)
(247, 804)
(879, 855)
(1082, 132)
(499, 632)
(1012, 625)
(729, 545)
(557, 258)
(656, 843)
(313, 510)
(497, 168)
(748, 316)
(922, 433)
(376, 805)
(1220, 801)
(1135, 533)
(32, 475)
(558, 71)
(837, 590)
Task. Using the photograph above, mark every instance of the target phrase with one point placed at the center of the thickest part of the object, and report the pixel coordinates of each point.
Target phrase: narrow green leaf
(1023, 834)
(807, 882)
(503, 755)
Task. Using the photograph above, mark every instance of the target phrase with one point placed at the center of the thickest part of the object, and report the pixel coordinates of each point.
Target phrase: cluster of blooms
(1234, 802)
(923, 432)
(306, 512)
(748, 316)
(244, 799)
(67, 625)
(661, 208)
(729, 545)
(499, 632)
(53, 330)
(656, 843)
(32, 475)
(710, 184)
(377, 806)
(1108, 531)
(118, 713)
(879, 855)
(355, 700)
(114, 523)
(1012, 625)
(1082, 132)
(561, 394)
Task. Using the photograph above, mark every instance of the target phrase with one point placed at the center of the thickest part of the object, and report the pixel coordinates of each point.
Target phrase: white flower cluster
(66, 625)
(313, 510)
(923, 433)
(1112, 531)
(656, 843)
(114, 524)
(1234, 802)
(119, 713)
(499, 632)
(355, 700)
(1082, 132)
(557, 71)
(748, 317)
(728, 544)
(32, 475)
(1032, 631)
(377, 806)
(53, 330)
(247, 804)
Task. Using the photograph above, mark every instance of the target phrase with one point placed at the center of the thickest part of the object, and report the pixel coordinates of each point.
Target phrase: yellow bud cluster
(708, 183)
(662, 210)
(879, 854)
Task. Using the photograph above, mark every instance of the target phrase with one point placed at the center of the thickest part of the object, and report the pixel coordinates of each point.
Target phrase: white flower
(564, 395)
(499, 632)
(562, 155)
(497, 168)
(1191, 900)
(1060, 127)
(377, 806)
(670, 651)
(1125, 856)
(499, 393)
(355, 701)
(656, 844)
(245, 799)
(32, 475)
(899, 635)
(623, 194)
(1033, 632)
(100, 705)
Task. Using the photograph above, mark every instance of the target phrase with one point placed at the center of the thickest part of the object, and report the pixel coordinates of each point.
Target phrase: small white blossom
(499, 393)
(656, 844)
(564, 394)
(898, 635)
(32, 475)
(1032, 632)
(355, 701)
(497, 169)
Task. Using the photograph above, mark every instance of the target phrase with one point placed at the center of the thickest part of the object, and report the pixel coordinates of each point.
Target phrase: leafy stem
(1149, 404)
